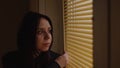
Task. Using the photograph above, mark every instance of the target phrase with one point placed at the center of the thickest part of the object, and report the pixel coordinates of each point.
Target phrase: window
(78, 33)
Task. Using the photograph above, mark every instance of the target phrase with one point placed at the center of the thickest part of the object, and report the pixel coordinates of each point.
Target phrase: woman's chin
(45, 49)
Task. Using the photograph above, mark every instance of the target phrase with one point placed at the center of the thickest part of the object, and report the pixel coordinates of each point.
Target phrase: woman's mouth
(46, 44)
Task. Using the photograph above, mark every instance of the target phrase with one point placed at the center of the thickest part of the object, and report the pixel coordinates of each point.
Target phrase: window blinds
(78, 33)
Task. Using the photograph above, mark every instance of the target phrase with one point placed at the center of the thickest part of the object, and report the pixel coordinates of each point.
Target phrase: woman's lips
(46, 44)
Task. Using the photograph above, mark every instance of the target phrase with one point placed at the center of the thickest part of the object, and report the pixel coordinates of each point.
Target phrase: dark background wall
(106, 33)
(115, 34)
(11, 13)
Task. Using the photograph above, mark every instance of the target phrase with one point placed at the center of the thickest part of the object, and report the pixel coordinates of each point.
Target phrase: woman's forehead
(44, 23)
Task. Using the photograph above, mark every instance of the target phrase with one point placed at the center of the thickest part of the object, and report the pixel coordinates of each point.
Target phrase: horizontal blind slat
(78, 22)
(79, 26)
(82, 56)
(82, 45)
(81, 12)
(78, 59)
(81, 39)
(79, 16)
(80, 35)
(76, 8)
(84, 31)
(80, 51)
(80, 2)
(75, 63)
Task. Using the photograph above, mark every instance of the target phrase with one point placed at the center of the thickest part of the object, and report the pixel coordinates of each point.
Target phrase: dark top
(17, 60)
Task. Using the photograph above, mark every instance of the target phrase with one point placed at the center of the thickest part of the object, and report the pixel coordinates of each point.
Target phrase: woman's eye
(43, 32)
(50, 31)
(40, 32)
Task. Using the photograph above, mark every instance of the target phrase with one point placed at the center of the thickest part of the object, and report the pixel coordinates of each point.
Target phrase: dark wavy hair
(27, 31)
(27, 35)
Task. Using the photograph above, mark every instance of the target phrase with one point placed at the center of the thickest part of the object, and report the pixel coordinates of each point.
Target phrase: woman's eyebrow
(43, 28)
(40, 29)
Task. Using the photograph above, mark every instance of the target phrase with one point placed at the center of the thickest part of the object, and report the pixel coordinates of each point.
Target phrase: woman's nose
(46, 36)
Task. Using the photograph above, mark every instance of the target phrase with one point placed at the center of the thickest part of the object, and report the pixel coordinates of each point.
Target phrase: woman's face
(43, 37)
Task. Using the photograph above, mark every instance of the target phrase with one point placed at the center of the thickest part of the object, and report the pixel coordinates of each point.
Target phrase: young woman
(34, 43)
